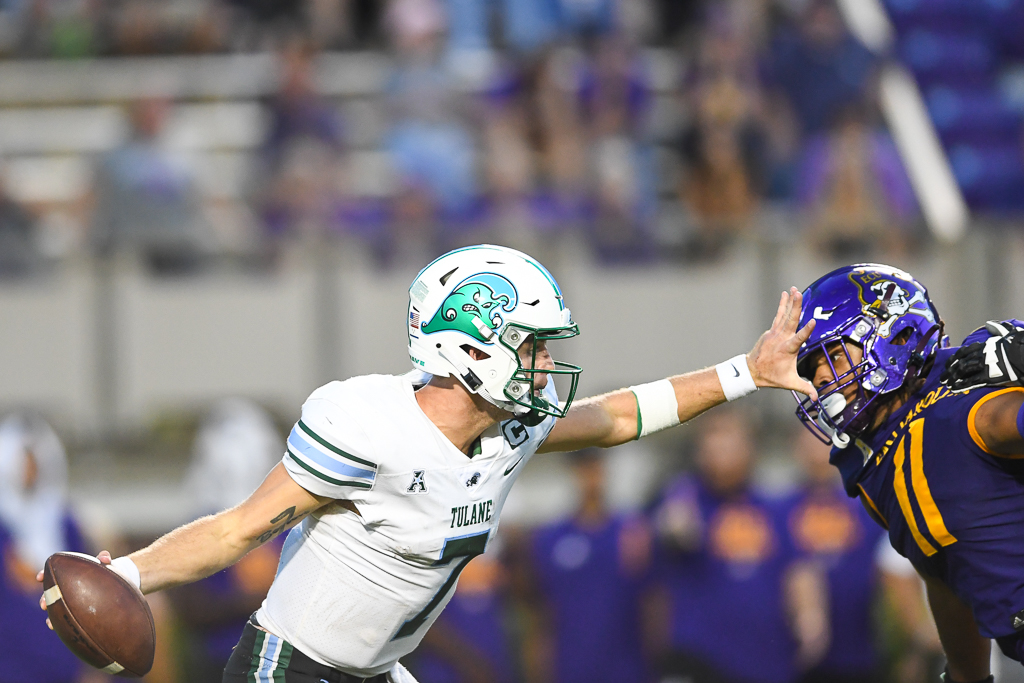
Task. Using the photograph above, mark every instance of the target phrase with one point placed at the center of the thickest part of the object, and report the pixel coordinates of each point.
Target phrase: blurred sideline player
(734, 603)
(35, 522)
(837, 534)
(575, 638)
(237, 445)
(470, 641)
(391, 484)
(941, 470)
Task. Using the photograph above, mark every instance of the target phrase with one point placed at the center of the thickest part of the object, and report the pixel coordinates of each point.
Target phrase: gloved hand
(995, 362)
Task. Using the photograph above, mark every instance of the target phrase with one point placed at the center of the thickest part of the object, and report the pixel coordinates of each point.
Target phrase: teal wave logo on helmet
(483, 296)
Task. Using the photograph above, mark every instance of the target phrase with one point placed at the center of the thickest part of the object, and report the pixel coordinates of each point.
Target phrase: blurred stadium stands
(675, 163)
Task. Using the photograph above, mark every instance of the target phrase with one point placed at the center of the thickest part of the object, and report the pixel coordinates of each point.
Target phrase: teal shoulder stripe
(321, 475)
(332, 447)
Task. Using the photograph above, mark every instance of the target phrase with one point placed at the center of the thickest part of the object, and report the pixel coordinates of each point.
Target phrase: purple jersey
(953, 508)
(478, 620)
(727, 595)
(32, 652)
(828, 527)
(593, 600)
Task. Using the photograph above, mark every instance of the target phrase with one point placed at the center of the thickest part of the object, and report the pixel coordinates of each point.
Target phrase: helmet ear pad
(484, 374)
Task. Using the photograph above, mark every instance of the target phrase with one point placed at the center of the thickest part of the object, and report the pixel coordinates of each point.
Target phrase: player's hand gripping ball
(998, 361)
(100, 616)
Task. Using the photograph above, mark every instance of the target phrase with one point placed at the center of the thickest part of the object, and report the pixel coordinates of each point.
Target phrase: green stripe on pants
(257, 654)
(283, 660)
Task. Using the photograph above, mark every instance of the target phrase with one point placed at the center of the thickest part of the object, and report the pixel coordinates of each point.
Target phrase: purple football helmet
(888, 314)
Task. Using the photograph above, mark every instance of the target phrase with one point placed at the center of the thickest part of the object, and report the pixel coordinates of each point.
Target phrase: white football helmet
(492, 299)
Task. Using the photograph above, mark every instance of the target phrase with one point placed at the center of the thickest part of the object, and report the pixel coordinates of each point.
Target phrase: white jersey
(358, 590)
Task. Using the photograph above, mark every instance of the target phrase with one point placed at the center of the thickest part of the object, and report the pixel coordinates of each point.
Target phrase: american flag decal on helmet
(414, 319)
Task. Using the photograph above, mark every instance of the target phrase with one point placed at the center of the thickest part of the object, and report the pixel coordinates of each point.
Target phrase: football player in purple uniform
(940, 465)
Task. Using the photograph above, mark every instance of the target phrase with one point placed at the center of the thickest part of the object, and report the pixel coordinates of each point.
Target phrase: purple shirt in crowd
(593, 600)
(478, 619)
(829, 527)
(32, 652)
(727, 604)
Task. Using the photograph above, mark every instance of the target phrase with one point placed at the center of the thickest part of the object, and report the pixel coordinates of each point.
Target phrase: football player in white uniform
(390, 485)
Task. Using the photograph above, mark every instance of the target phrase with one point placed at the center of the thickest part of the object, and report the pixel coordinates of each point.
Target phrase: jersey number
(465, 548)
(919, 487)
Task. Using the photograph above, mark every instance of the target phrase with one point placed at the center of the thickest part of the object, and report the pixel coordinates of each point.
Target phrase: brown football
(99, 615)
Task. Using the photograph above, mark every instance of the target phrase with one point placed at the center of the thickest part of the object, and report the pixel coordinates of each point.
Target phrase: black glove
(995, 362)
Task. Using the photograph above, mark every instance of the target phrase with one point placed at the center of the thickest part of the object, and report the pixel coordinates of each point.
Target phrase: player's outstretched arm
(209, 544)
(612, 419)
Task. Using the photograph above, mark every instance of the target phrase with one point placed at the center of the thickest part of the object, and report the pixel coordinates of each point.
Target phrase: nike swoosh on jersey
(513, 466)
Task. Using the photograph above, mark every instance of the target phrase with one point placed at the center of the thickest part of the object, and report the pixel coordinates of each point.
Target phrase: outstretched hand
(772, 361)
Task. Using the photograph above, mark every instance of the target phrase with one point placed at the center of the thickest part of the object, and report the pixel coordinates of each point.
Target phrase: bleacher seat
(956, 50)
(948, 57)
(990, 177)
(61, 129)
(972, 115)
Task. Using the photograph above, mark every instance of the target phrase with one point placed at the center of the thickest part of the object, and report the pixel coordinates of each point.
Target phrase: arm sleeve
(328, 454)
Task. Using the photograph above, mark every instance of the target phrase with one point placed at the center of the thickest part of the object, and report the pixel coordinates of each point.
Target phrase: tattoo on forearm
(280, 524)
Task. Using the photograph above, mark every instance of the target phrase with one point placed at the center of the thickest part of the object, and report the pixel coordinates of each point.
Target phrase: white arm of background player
(610, 419)
(209, 544)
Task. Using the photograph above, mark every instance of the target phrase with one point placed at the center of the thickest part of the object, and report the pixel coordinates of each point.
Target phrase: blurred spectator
(269, 24)
(734, 602)
(724, 160)
(35, 522)
(836, 532)
(141, 27)
(614, 102)
(430, 144)
(819, 66)
(302, 156)
(582, 585)
(558, 123)
(853, 187)
(19, 249)
(147, 198)
(57, 28)
(469, 642)
(236, 447)
(510, 162)
(529, 26)
(588, 18)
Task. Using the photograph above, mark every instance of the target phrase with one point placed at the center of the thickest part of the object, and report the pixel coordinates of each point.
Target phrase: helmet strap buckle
(470, 378)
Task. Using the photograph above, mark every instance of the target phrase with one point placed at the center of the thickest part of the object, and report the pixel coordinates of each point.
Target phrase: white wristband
(734, 374)
(657, 407)
(128, 570)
